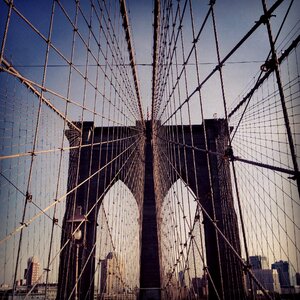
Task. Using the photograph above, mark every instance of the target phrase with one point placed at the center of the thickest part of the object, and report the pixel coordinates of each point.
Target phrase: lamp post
(77, 220)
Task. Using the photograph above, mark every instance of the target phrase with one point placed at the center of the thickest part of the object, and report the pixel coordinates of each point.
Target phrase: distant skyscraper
(282, 268)
(258, 262)
(105, 274)
(181, 279)
(200, 286)
(32, 271)
(297, 278)
(111, 272)
(268, 278)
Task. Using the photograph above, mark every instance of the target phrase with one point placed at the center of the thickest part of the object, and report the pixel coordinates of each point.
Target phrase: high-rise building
(282, 268)
(268, 278)
(112, 270)
(200, 286)
(32, 271)
(181, 279)
(258, 262)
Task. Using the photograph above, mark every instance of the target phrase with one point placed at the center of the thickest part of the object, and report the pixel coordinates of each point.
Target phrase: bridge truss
(70, 90)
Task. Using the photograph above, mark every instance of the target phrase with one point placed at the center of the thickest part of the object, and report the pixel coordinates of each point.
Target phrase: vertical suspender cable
(282, 97)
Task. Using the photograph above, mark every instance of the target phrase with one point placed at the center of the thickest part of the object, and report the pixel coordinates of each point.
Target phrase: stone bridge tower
(147, 163)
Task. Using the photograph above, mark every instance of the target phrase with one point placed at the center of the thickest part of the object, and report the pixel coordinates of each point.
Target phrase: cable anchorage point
(229, 153)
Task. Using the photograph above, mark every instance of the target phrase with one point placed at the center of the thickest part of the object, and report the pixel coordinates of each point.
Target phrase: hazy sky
(234, 18)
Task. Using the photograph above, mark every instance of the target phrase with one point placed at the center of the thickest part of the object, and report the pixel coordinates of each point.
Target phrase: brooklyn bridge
(149, 149)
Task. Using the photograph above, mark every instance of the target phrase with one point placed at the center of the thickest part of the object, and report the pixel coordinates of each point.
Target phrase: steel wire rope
(281, 228)
(258, 184)
(285, 54)
(138, 109)
(282, 97)
(160, 36)
(119, 230)
(91, 209)
(167, 173)
(68, 148)
(293, 123)
(261, 73)
(173, 151)
(185, 63)
(245, 145)
(111, 182)
(77, 175)
(90, 28)
(131, 55)
(137, 64)
(170, 54)
(28, 222)
(116, 176)
(178, 155)
(171, 181)
(156, 13)
(51, 45)
(89, 25)
(47, 269)
(229, 54)
(191, 131)
(237, 193)
(228, 243)
(7, 22)
(162, 81)
(205, 136)
(28, 195)
(131, 58)
(29, 83)
(93, 132)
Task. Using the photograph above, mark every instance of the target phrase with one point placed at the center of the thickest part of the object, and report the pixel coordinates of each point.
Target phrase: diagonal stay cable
(126, 27)
(66, 59)
(187, 59)
(236, 158)
(28, 222)
(30, 86)
(261, 79)
(45, 89)
(91, 209)
(66, 148)
(230, 53)
(246, 267)
(97, 203)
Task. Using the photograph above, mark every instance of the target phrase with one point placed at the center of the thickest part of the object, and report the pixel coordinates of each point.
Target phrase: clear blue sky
(234, 18)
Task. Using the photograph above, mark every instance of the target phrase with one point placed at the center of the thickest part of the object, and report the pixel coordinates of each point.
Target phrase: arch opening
(182, 244)
(117, 268)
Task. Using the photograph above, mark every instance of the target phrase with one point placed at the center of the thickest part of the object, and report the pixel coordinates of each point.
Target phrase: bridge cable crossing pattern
(93, 192)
